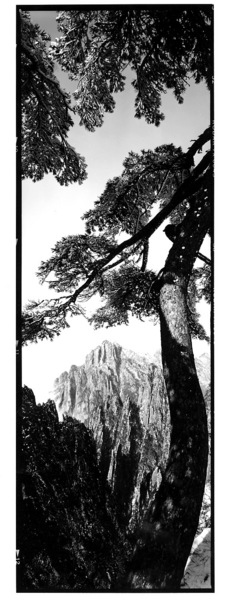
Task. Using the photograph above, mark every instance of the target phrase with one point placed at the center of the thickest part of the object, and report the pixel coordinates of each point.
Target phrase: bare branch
(204, 258)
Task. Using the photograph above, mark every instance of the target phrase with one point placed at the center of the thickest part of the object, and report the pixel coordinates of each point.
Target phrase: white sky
(51, 211)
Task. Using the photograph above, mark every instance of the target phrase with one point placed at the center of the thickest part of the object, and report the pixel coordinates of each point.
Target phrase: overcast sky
(51, 211)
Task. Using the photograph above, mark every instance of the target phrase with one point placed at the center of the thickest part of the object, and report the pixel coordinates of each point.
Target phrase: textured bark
(167, 535)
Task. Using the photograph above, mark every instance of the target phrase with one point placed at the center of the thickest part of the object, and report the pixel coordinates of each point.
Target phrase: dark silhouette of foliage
(45, 112)
(70, 539)
(165, 46)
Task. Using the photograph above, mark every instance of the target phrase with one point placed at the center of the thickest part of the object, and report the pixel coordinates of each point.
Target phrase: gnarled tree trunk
(167, 535)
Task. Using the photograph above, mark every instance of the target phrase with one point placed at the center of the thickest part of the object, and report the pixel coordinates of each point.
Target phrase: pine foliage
(164, 46)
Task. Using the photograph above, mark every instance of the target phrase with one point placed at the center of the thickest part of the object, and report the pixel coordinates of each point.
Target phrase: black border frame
(54, 7)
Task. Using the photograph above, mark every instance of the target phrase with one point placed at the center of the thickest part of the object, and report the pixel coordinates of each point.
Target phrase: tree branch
(188, 187)
(201, 140)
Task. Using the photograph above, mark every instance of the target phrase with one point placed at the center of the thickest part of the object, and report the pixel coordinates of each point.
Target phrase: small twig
(204, 258)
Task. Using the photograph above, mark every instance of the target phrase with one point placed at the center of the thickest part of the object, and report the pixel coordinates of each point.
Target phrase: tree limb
(189, 186)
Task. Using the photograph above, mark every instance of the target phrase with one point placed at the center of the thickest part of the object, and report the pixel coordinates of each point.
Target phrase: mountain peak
(107, 352)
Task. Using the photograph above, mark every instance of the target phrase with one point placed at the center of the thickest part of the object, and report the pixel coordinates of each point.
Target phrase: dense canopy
(165, 46)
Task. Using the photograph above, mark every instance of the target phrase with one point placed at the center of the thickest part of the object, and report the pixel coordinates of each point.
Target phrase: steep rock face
(121, 397)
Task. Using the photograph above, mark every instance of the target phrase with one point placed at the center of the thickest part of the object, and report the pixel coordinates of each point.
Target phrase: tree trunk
(167, 535)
